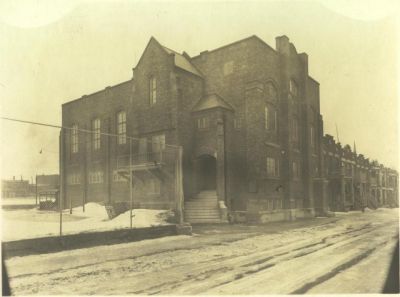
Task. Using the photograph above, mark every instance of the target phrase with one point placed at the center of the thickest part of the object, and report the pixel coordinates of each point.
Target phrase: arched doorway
(206, 173)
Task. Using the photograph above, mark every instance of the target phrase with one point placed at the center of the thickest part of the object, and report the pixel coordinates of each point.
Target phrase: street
(349, 253)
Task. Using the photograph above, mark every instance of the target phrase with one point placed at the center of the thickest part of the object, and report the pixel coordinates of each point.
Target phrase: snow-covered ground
(19, 201)
(31, 223)
(346, 254)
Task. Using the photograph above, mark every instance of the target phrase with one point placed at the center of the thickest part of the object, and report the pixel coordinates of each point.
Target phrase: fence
(102, 169)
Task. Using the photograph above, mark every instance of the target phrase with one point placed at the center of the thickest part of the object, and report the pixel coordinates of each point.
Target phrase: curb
(54, 244)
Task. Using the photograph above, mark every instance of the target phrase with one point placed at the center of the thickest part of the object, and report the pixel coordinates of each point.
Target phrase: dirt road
(346, 254)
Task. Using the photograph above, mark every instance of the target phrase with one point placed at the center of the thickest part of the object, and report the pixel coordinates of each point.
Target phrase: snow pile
(23, 224)
(92, 210)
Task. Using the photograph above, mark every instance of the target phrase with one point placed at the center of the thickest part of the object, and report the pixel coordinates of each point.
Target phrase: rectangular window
(74, 179)
(276, 120)
(74, 138)
(121, 127)
(118, 177)
(272, 167)
(237, 123)
(203, 123)
(96, 177)
(158, 143)
(153, 90)
(296, 169)
(277, 204)
(96, 134)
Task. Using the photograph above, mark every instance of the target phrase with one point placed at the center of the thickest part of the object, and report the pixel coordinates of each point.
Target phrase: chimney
(304, 61)
(282, 44)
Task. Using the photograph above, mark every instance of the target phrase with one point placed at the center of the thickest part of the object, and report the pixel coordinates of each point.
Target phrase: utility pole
(130, 181)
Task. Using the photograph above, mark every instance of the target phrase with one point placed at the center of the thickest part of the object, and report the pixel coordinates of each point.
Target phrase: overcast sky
(54, 51)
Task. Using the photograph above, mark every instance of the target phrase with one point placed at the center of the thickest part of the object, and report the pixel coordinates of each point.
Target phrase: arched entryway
(206, 173)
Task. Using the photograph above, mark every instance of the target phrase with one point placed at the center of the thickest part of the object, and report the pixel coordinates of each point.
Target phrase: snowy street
(349, 253)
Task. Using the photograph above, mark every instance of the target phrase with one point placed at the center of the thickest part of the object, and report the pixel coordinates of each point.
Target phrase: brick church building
(246, 115)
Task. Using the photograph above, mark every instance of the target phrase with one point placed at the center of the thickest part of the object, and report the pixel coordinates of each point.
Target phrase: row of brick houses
(247, 117)
(354, 181)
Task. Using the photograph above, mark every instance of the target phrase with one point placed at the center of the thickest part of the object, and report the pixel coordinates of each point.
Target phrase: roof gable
(180, 60)
(211, 101)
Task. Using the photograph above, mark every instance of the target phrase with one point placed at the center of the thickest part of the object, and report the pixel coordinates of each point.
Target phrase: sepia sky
(54, 51)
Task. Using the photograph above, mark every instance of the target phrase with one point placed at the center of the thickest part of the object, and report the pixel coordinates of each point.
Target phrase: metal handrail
(159, 157)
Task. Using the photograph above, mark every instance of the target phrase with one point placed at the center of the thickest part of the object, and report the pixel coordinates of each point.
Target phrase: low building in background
(16, 188)
(47, 182)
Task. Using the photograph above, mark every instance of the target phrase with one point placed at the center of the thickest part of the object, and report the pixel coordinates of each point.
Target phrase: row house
(354, 181)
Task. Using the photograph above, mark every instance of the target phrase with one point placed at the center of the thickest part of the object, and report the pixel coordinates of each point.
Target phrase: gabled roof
(182, 62)
(212, 101)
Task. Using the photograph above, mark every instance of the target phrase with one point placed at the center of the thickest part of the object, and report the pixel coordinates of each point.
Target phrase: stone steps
(203, 208)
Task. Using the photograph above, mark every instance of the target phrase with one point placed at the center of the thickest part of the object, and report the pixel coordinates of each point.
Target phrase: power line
(76, 129)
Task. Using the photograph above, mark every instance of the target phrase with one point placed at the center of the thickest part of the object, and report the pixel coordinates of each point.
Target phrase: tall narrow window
(312, 136)
(153, 90)
(275, 120)
(295, 169)
(266, 116)
(74, 138)
(295, 130)
(96, 134)
(121, 127)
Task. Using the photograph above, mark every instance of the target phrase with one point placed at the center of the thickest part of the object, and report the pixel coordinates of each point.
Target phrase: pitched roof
(211, 101)
(182, 62)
